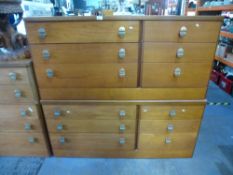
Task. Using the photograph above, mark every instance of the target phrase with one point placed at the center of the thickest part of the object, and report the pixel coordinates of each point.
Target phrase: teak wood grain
(83, 32)
(87, 75)
(161, 112)
(91, 53)
(90, 112)
(166, 52)
(168, 31)
(193, 75)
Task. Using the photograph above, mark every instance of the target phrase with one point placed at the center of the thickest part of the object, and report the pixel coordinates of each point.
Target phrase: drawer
(163, 143)
(93, 142)
(90, 112)
(17, 112)
(16, 94)
(169, 127)
(20, 125)
(12, 76)
(83, 31)
(91, 126)
(178, 52)
(87, 75)
(181, 31)
(23, 144)
(92, 53)
(166, 75)
(171, 112)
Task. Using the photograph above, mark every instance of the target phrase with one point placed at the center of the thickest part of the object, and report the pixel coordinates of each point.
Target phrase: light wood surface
(160, 112)
(168, 31)
(162, 75)
(90, 112)
(87, 75)
(92, 53)
(83, 32)
(166, 52)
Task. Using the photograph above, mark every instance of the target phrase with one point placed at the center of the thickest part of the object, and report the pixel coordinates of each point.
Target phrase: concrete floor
(213, 154)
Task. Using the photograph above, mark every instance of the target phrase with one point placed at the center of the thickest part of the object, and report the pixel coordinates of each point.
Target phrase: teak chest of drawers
(123, 86)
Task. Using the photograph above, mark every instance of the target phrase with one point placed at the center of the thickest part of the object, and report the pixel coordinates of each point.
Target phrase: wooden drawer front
(163, 75)
(88, 75)
(12, 76)
(178, 142)
(17, 94)
(83, 32)
(169, 31)
(91, 126)
(17, 112)
(85, 53)
(92, 142)
(171, 112)
(20, 125)
(90, 112)
(18, 144)
(178, 53)
(169, 127)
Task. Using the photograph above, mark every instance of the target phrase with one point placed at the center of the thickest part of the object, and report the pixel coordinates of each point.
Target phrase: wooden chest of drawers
(123, 86)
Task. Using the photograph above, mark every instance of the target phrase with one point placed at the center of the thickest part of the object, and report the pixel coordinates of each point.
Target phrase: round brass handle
(121, 53)
(183, 31)
(42, 33)
(122, 113)
(32, 140)
(177, 72)
(50, 73)
(46, 54)
(170, 127)
(122, 73)
(12, 76)
(121, 32)
(180, 53)
(122, 141)
(62, 140)
(172, 113)
(168, 140)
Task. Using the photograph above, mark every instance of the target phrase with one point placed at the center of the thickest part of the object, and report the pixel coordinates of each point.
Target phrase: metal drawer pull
(172, 113)
(122, 127)
(177, 72)
(27, 126)
(50, 73)
(121, 53)
(183, 31)
(121, 32)
(59, 127)
(122, 141)
(122, 73)
(12, 76)
(122, 113)
(168, 140)
(180, 53)
(31, 140)
(18, 93)
(62, 140)
(57, 113)
(45, 54)
(23, 113)
(42, 33)
(170, 127)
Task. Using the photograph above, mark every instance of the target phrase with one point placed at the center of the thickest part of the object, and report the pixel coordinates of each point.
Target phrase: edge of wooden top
(18, 63)
(125, 18)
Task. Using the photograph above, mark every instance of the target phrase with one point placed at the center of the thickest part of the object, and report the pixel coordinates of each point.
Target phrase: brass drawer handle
(122, 128)
(122, 113)
(121, 53)
(170, 127)
(57, 113)
(12, 76)
(60, 127)
(122, 141)
(32, 140)
(50, 73)
(183, 31)
(180, 53)
(122, 73)
(168, 140)
(42, 33)
(121, 32)
(46, 54)
(62, 140)
(172, 113)
(177, 72)
(27, 126)
(18, 93)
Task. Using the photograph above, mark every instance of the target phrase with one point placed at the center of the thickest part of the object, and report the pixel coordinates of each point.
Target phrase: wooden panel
(13, 111)
(197, 31)
(21, 76)
(162, 75)
(17, 144)
(93, 53)
(160, 126)
(91, 126)
(93, 142)
(155, 143)
(122, 93)
(161, 112)
(166, 52)
(87, 75)
(90, 112)
(7, 94)
(83, 32)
